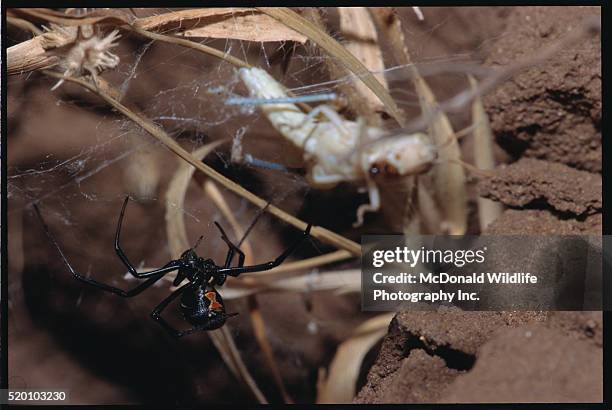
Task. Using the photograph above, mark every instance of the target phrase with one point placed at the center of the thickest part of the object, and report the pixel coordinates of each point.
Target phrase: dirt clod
(421, 376)
(542, 222)
(552, 111)
(531, 182)
(458, 329)
(531, 364)
(449, 336)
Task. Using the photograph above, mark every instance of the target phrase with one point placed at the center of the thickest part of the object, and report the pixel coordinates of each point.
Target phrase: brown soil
(531, 182)
(531, 364)
(418, 379)
(548, 120)
(457, 356)
(553, 111)
(542, 222)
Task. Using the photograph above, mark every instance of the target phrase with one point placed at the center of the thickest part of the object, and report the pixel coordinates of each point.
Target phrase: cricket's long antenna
(486, 173)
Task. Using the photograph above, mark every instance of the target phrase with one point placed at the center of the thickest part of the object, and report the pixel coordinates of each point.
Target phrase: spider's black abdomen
(203, 307)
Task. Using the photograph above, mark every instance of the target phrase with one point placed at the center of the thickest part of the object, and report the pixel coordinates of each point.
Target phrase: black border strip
(606, 201)
(3, 206)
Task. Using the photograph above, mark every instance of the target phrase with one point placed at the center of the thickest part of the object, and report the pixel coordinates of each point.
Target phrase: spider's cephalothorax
(200, 303)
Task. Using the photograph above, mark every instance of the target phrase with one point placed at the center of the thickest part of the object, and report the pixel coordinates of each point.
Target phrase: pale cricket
(336, 149)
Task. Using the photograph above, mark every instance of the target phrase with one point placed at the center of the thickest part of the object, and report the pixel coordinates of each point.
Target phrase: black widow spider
(201, 304)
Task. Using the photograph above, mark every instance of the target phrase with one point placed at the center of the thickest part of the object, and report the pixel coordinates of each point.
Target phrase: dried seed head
(86, 52)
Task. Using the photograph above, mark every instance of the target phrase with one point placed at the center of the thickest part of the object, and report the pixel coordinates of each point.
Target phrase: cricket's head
(403, 155)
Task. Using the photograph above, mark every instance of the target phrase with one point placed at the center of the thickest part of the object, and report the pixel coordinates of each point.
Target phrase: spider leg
(121, 254)
(235, 271)
(120, 292)
(232, 248)
(156, 314)
(221, 277)
(153, 276)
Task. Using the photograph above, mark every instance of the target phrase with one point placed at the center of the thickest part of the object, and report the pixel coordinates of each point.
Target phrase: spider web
(189, 106)
(95, 162)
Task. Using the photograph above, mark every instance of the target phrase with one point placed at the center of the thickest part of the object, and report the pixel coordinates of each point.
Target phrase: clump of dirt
(457, 356)
(449, 336)
(420, 376)
(542, 222)
(552, 111)
(459, 330)
(531, 364)
(548, 120)
(536, 182)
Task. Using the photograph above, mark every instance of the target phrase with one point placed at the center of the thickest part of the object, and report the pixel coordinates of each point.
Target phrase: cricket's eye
(383, 168)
